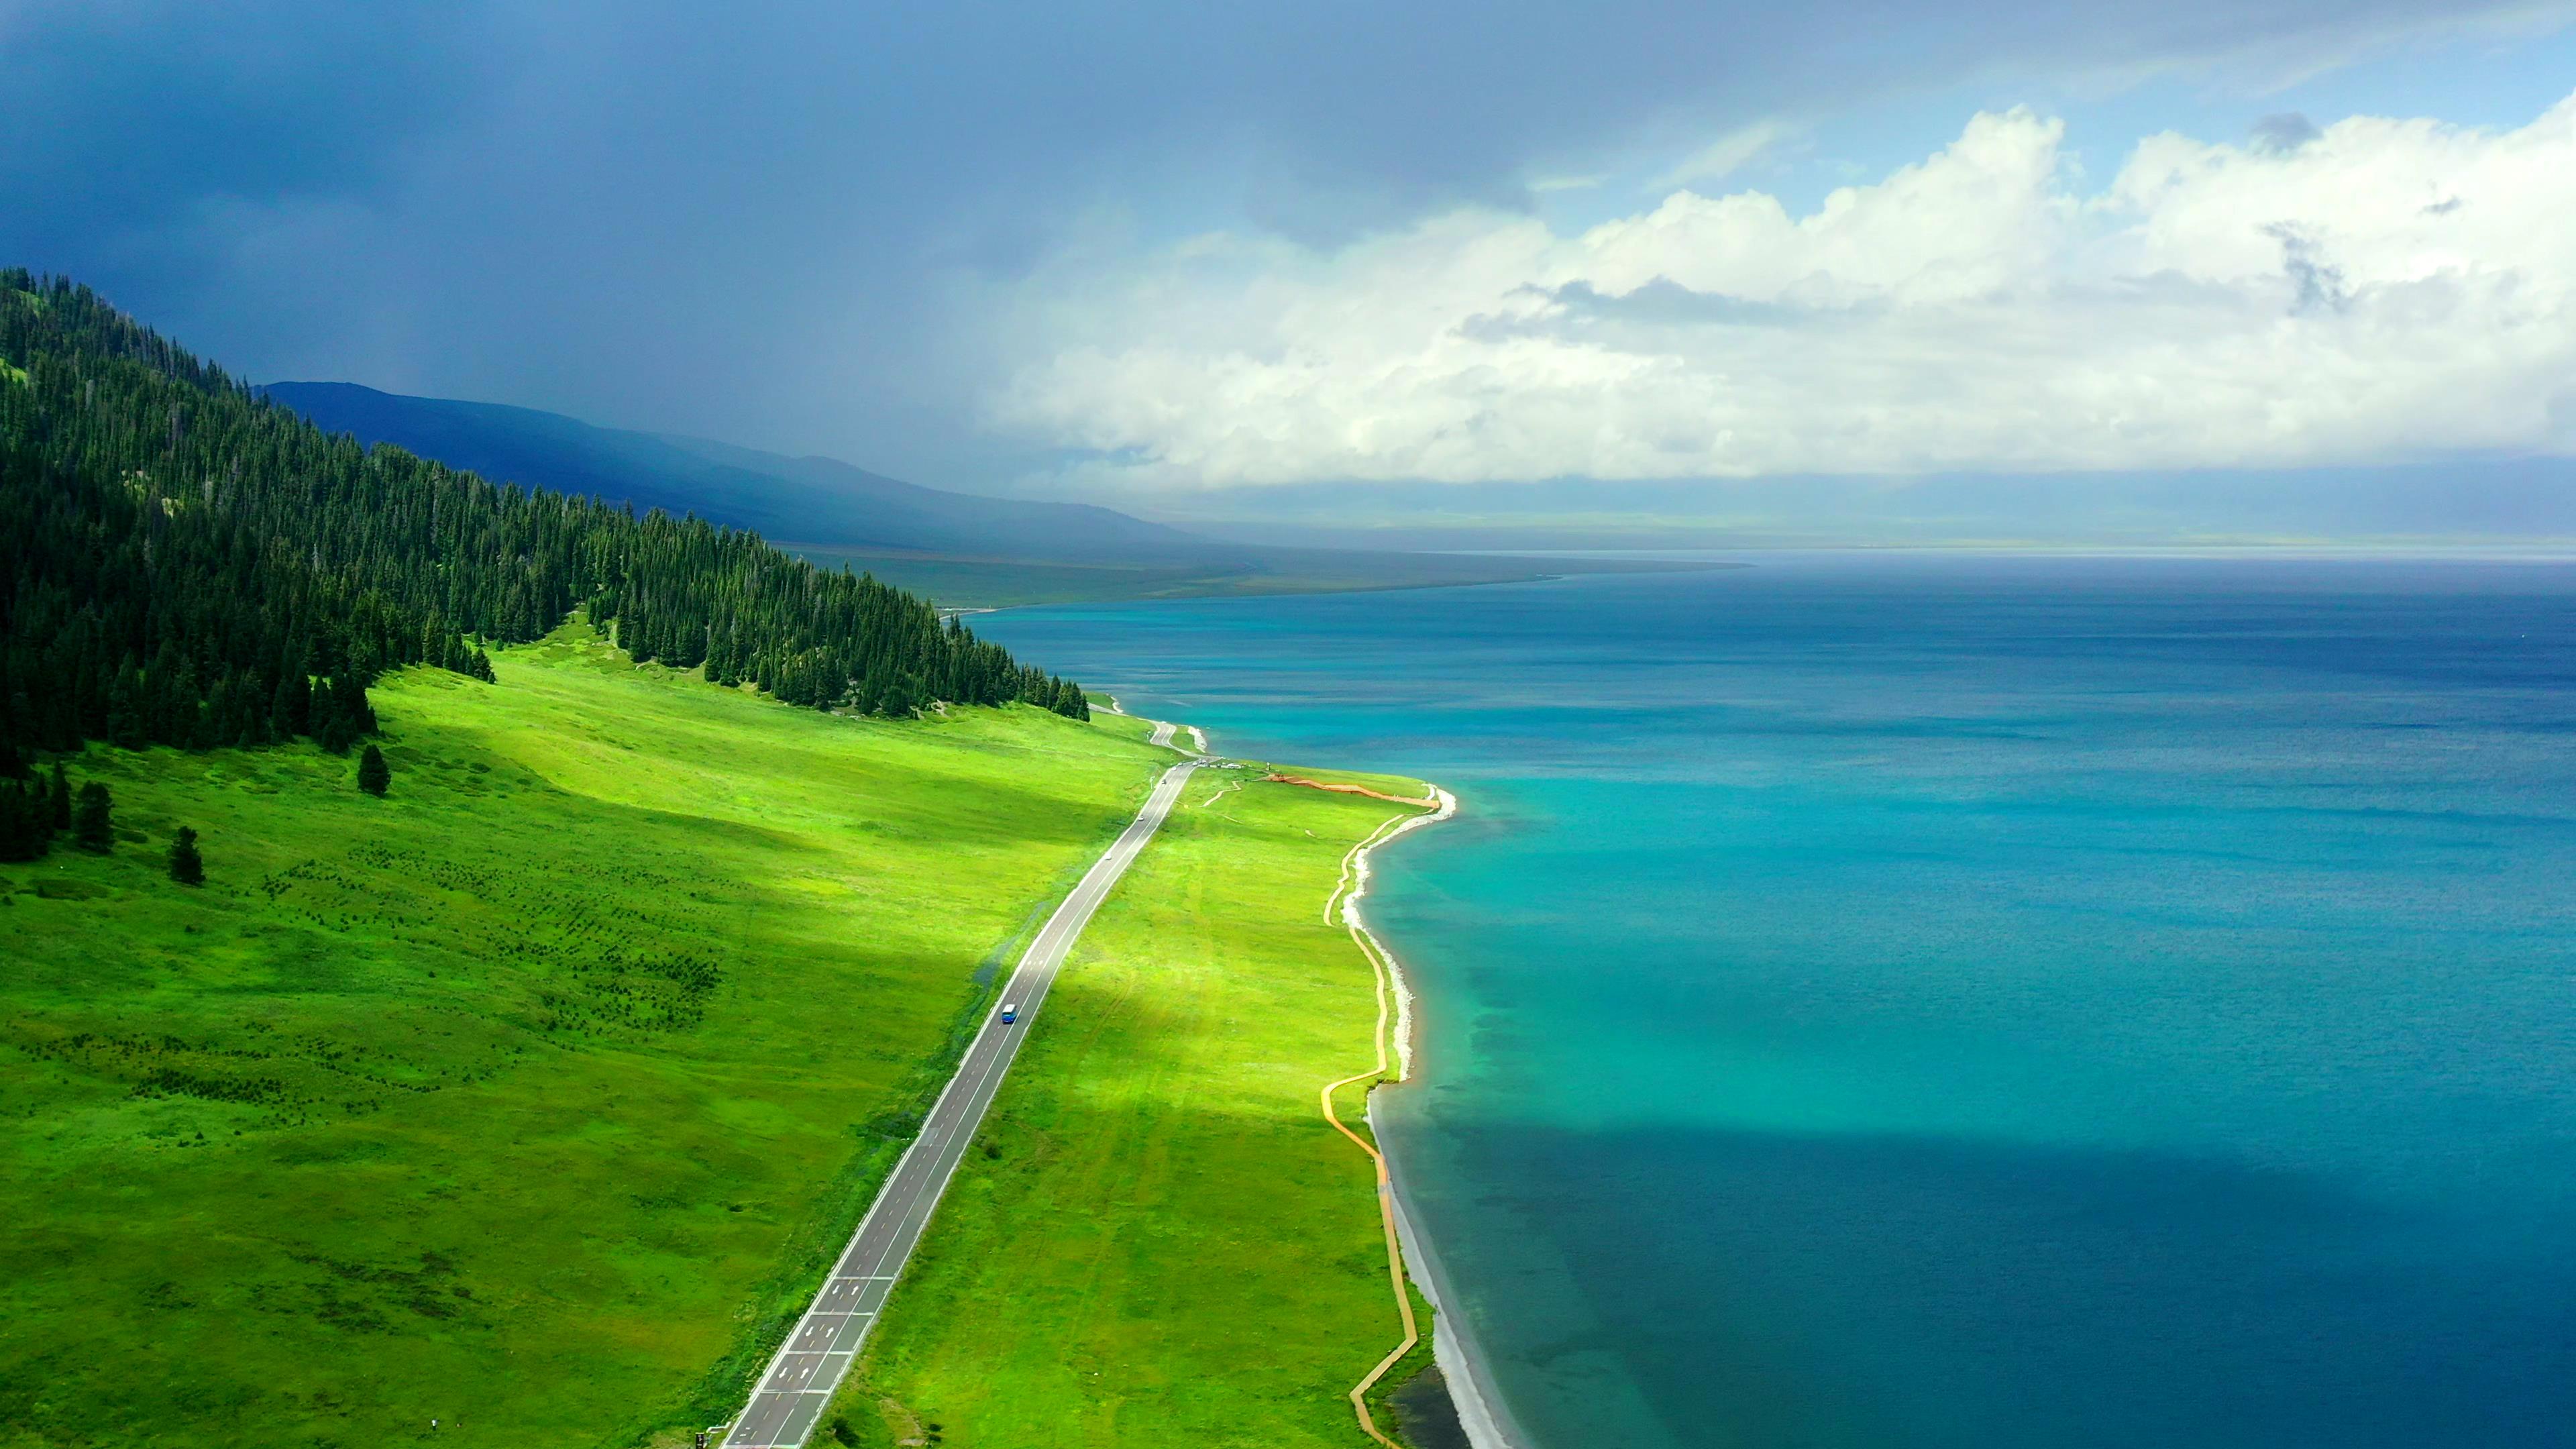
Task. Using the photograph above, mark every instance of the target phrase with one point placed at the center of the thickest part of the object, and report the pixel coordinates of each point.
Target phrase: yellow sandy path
(1385, 1208)
(1385, 1185)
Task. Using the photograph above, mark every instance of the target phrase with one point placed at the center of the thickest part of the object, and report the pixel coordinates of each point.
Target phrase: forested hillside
(185, 563)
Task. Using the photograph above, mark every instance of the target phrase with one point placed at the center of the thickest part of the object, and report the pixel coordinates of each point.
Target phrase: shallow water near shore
(1932, 1000)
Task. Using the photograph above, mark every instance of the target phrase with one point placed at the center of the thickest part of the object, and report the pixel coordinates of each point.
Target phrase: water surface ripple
(1943, 1000)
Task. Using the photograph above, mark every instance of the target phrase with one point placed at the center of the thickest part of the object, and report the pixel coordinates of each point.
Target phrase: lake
(1965, 1000)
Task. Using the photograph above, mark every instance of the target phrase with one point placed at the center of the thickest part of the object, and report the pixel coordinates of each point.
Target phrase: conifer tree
(374, 775)
(92, 830)
(293, 704)
(24, 822)
(127, 724)
(187, 866)
(62, 798)
(180, 559)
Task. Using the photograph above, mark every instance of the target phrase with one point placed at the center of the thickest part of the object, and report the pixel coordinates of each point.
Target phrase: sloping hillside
(527, 1097)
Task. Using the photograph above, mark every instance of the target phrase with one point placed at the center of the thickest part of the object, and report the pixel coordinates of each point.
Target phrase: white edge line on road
(1106, 870)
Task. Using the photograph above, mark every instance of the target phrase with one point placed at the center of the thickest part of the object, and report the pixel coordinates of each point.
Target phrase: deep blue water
(1967, 1001)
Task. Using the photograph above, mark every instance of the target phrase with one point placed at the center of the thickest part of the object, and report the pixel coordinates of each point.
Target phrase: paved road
(811, 1364)
(1162, 733)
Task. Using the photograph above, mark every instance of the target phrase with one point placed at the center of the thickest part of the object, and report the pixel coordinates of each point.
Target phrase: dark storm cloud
(740, 220)
(126, 122)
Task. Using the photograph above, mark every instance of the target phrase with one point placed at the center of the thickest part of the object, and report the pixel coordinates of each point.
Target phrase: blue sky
(2471, 78)
(1208, 261)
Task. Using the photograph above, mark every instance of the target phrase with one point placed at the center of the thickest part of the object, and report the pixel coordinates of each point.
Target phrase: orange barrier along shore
(1350, 790)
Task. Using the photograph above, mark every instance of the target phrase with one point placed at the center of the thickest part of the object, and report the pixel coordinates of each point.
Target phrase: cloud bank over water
(2374, 290)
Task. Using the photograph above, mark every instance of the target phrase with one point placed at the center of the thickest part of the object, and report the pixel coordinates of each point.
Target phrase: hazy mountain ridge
(805, 500)
(959, 548)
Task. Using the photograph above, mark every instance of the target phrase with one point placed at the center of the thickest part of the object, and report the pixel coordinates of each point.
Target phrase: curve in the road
(810, 1365)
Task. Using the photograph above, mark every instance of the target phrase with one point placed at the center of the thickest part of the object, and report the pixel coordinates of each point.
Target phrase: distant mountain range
(800, 500)
(956, 548)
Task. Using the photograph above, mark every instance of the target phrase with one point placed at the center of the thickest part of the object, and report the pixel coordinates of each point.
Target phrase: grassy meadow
(1130, 727)
(1158, 1241)
(531, 1097)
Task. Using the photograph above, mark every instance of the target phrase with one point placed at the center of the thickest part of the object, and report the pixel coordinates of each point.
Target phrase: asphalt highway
(812, 1362)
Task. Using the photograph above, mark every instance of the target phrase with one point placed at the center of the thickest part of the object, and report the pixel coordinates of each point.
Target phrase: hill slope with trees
(183, 562)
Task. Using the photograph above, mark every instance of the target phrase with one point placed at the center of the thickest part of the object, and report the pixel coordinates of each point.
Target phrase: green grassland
(1158, 1241)
(1125, 726)
(533, 1096)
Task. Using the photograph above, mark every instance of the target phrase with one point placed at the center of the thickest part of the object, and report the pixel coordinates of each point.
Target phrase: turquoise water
(1949, 1001)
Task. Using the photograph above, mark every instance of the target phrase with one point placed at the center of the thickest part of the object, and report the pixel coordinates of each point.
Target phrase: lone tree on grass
(373, 773)
(187, 867)
(91, 829)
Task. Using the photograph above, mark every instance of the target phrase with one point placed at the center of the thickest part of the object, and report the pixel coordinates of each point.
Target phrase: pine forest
(188, 564)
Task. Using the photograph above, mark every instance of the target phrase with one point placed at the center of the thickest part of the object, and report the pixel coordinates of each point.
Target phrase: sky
(2023, 267)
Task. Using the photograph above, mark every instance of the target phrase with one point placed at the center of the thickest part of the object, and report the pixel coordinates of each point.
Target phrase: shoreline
(1462, 1365)
(1345, 907)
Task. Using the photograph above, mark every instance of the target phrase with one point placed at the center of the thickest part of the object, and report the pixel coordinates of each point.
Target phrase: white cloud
(2387, 290)
(1728, 154)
